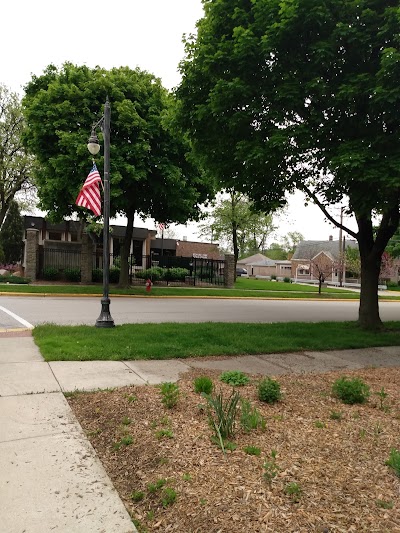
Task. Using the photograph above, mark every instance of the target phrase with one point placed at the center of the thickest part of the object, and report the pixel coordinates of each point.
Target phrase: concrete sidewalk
(51, 478)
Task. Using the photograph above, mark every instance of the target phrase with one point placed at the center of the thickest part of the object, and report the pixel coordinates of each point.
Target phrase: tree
(290, 241)
(152, 170)
(235, 222)
(15, 165)
(280, 95)
(11, 235)
(393, 246)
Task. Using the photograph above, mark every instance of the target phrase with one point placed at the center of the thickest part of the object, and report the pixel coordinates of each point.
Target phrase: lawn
(306, 463)
(172, 340)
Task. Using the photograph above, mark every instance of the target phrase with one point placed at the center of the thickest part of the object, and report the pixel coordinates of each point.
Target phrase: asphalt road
(38, 310)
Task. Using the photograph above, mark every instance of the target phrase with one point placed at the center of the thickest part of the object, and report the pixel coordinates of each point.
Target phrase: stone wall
(31, 253)
(229, 271)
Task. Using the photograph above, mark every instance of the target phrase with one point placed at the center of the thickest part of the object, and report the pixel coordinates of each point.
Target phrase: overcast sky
(143, 33)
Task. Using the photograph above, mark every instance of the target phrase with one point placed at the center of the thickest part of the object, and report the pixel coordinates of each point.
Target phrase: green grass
(172, 340)
(244, 288)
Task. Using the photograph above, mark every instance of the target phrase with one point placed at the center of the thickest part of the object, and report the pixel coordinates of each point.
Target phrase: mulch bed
(337, 464)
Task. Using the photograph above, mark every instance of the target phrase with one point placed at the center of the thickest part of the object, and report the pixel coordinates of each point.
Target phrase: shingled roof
(309, 249)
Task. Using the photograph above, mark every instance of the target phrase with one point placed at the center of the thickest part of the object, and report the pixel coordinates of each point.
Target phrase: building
(262, 266)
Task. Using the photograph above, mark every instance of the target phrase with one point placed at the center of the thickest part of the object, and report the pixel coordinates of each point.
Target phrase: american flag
(161, 226)
(89, 195)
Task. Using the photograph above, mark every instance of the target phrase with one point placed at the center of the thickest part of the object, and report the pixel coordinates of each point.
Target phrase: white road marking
(17, 318)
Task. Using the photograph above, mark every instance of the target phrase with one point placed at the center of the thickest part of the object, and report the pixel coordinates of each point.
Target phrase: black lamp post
(105, 319)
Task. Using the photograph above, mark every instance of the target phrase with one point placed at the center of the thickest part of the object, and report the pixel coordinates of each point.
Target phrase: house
(314, 258)
(260, 265)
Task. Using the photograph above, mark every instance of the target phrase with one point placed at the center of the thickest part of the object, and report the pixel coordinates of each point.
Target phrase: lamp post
(105, 319)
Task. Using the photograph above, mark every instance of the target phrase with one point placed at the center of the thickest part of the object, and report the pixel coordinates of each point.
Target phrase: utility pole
(341, 249)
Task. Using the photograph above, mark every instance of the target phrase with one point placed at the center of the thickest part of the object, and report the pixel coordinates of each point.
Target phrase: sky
(134, 33)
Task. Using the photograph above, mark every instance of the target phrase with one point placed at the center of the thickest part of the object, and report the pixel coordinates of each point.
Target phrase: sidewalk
(51, 478)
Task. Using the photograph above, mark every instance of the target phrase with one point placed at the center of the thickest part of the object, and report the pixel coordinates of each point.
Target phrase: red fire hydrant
(148, 285)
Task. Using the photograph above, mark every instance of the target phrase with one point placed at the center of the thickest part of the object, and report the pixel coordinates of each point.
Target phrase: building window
(55, 236)
(304, 272)
(74, 237)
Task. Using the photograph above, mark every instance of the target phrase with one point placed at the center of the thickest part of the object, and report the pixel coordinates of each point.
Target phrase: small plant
(72, 274)
(252, 450)
(271, 469)
(203, 384)
(137, 496)
(236, 378)
(394, 461)
(126, 421)
(154, 487)
(318, 424)
(226, 444)
(169, 394)
(335, 415)
(384, 504)
(132, 398)
(222, 415)
(164, 433)
(362, 433)
(269, 390)
(294, 491)
(382, 397)
(163, 461)
(186, 477)
(287, 280)
(350, 391)
(94, 433)
(250, 417)
(168, 496)
(51, 274)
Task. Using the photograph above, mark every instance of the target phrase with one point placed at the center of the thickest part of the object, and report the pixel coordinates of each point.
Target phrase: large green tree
(282, 94)
(11, 235)
(236, 223)
(15, 164)
(152, 170)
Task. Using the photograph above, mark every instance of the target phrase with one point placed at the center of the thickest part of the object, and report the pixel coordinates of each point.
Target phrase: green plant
(384, 504)
(127, 440)
(273, 277)
(335, 415)
(126, 421)
(271, 469)
(362, 433)
(164, 433)
(235, 378)
(350, 391)
(114, 275)
(169, 394)
(168, 496)
(186, 477)
(394, 461)
(269, 390)
(163, 461)
(382, 397)
(252, 450)
(294, 491)
(250, 417)
(97, 275)
(287, 280)
(72, 274)
(222, 414)
(132, 398)
(203, 384)
(137, 496)
(154, 487)
(319, 424)
(51, 273)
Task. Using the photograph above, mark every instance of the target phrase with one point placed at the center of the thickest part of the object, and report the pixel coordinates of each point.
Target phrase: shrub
(350, 391)
(250, 417)
(154, 273)
(394, 461)
(17, 280)
(269, 390)
(72, 274)
(273, 277)
(51, 274)
(169, 394)
(114, 275)
(175, 274)
(97, 275)
(287, 280)
(203, 384)
(236, 378)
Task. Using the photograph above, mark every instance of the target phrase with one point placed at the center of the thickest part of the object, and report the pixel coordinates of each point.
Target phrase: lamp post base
(105, 319)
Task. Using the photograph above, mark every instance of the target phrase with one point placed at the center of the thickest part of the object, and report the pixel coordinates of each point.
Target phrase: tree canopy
(11, 234)
(15, 164)
(279, 95)
(152, 170)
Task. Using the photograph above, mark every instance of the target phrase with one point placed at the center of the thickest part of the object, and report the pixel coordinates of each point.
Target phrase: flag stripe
(89, 195)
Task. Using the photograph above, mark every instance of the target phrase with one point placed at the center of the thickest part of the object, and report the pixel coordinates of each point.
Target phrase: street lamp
(105, 319)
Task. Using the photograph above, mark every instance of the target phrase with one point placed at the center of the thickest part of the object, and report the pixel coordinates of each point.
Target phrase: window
(55, 235)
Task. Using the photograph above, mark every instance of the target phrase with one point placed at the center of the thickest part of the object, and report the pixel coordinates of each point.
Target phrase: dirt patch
(331, 455)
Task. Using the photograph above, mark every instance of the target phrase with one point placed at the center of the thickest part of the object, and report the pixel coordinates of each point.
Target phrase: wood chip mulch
(337, 464)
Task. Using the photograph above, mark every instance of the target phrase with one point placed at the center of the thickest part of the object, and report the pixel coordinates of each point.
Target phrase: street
(16, 312)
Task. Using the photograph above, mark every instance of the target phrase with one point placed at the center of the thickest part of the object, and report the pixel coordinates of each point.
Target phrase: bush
(175, 274)
(287, 280)
(114, 275)
(154, 273)
(14, 279)
(350, 391)
(234, 378)
(51, 274)
(269, 390)
(97, 275)
(203, 384)
(273, 277)
(72, 274)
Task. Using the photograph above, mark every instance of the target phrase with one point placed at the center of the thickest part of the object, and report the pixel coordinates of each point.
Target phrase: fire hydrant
(148, 285)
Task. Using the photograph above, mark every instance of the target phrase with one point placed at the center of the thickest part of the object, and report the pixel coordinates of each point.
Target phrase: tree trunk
(368, 316)
(125, 251)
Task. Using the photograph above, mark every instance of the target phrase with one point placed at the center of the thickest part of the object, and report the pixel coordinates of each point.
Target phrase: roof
(265, 262)
(309, 249)
(253, 259)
